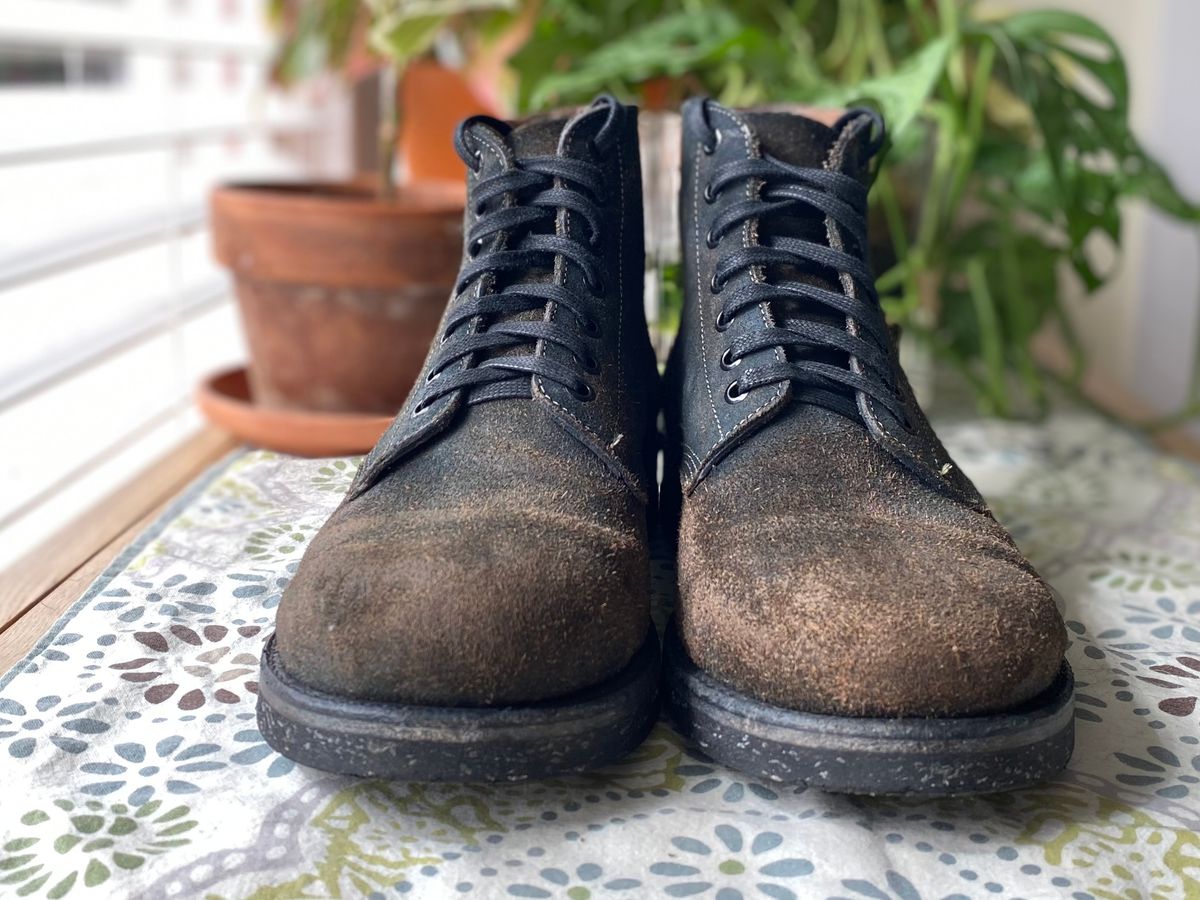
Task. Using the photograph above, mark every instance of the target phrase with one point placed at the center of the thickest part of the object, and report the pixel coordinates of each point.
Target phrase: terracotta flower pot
(340, 293)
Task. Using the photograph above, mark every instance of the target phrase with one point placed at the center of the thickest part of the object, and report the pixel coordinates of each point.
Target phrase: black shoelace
(513, 240)
(795, 191)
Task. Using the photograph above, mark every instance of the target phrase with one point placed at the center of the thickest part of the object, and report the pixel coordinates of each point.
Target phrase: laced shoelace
(795, 191)
(509, 241)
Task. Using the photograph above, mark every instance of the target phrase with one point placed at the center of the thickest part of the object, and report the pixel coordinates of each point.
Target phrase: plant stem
(389, 129)
(972, 126)
(991, 341)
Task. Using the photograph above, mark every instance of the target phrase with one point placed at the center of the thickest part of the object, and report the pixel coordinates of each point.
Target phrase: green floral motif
(580, 884)
(375, 831)
(81, 844)
(757, 862)
(335, 477)
(1136, 572)
(278, 542)
(1109, 837)
(652, 768)
(1104, 840)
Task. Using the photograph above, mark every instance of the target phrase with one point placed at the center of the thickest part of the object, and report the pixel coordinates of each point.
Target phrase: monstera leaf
(1071, 74)
(901, 95)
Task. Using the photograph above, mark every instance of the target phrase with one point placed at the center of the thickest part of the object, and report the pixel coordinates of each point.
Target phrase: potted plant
(1010, 145)
(341, 286)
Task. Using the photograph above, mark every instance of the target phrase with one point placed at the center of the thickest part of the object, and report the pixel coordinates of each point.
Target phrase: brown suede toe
(505, 587)
(848, 588)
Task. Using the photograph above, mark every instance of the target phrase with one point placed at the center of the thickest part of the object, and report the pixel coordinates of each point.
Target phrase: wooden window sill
(40, 586)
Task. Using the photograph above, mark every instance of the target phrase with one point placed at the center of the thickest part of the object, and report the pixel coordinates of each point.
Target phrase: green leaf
(900, 95)
(672, 46)
(1071, 74)
(404, 29)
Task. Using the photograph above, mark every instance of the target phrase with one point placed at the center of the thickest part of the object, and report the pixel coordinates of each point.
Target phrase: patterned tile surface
(132, 767)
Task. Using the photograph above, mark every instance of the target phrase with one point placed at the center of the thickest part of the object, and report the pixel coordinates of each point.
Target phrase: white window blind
(116, 119)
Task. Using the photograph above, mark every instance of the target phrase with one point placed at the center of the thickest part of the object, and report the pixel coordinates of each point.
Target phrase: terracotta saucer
(224, 398)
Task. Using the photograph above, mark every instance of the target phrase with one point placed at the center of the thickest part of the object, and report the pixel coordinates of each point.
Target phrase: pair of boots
(850, 614)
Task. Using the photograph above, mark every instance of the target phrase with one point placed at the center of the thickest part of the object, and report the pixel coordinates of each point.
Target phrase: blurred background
(1035, 213)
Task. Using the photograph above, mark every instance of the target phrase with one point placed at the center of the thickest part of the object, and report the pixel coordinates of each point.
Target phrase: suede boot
(851, 615)
(477, 607)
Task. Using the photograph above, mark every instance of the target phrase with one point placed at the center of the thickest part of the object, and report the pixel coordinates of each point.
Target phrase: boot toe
(885, 617)
(463, 608)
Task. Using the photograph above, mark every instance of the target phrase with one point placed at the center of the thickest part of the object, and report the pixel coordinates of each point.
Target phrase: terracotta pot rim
(223, 397)
(428, 199)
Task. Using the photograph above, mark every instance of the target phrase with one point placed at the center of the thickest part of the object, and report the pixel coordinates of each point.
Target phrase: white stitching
(834, 235)
(700, 295)
(763, 308)
(620, 272)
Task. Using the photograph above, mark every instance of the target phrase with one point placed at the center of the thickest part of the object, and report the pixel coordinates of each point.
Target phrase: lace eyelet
(710, 196)
(474, 247)
(478, 161)
(728, 362)
(583, 392)
(590, 326)
(711, 147)
(722, 323)
(590, 364)
(433, 376)
(732, 395)
(421, 408)
(715, 286)
(596, 285)
(711, 240)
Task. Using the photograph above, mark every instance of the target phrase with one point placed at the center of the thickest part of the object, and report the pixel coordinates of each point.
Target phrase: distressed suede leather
(826, 563)
(494, 551)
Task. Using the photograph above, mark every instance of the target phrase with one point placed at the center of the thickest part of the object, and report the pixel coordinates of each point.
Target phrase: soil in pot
(340, 293)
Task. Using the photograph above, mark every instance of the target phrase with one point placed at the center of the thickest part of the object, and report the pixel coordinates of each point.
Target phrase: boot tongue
(791, 137)
(557, 136)
(538, 137)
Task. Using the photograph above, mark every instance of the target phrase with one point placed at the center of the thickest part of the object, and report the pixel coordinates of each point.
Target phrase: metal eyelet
(590, 326)
(433, 376)
(420, 409)
(478, 161)
(711, 240)
(710, 196)
(728, 362)
(474, 247)
(722, 323)
(715, 286)
(589, 362)
(583, 392)
(732, 395)
(711, 147)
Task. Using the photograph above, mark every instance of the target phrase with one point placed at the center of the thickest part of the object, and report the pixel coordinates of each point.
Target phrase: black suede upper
(832, 557)
(493, 548)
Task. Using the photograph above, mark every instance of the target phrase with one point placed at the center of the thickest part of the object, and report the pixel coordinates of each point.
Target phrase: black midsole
(852, 754)
(419, 742)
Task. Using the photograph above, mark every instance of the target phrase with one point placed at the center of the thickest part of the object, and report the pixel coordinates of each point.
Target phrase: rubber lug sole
(428, 743)
(842, 754)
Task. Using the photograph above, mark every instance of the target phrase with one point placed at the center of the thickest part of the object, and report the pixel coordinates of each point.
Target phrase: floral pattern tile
(134, 767)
